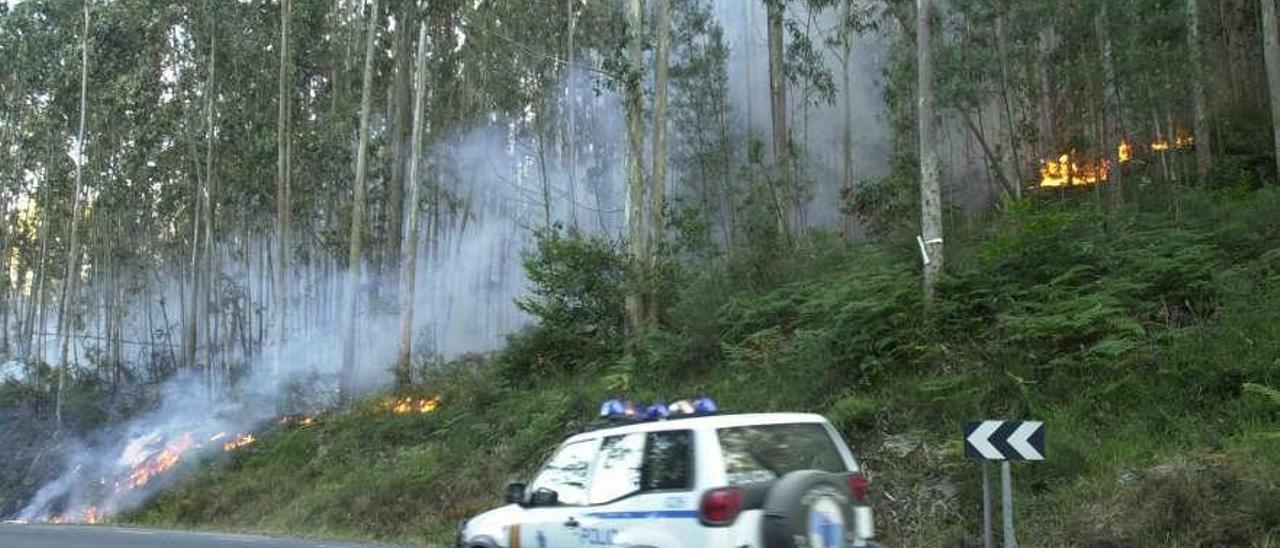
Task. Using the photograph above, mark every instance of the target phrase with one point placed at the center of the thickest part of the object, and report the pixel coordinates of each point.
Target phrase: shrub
(577, 292)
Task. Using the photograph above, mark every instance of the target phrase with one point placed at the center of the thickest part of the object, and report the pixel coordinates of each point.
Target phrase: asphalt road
(14, 535)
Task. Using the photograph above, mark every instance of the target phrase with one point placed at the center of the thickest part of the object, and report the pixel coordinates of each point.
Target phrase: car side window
(668, 461)
(566, 472)
(767, 452)
(617, 471)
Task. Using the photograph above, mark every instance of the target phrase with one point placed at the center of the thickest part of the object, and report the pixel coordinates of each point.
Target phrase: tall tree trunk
(778, 109)
(1013, 156)
(658, 180)
(1048, 131)
(409, 263)
(1202, 137)
(283, 203)
(73, 247)
(36, 328)
(210, 265)
(749, 59)
(1271, 51)
(846, 141)
(930, 185)
(636, 233)
(541, 130)
(1113, 128)
(571, 111)
(347, 383)
(400, 128)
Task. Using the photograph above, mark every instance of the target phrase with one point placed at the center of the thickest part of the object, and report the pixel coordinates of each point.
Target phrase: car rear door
(642, 492)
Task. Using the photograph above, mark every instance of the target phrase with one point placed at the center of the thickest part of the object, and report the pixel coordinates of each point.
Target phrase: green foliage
(1268, 393)
(854, 412)
(827, 332)
(884, 205)
(1130, 334)
(577, 286)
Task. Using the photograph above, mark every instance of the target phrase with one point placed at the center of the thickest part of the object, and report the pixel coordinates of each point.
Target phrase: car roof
(698, 422)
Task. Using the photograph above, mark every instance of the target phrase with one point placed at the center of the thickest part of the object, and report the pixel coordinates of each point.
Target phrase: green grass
(1131, 334)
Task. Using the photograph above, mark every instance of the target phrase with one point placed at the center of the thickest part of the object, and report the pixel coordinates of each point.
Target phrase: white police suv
(681, 476)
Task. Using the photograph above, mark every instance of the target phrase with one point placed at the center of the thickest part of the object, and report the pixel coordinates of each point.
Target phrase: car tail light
(720, 506)
(858, 485)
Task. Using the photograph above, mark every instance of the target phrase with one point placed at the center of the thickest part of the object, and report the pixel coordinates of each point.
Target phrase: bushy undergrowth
(1131, 333)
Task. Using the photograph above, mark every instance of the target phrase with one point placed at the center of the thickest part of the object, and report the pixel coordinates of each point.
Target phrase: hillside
(1144, 337)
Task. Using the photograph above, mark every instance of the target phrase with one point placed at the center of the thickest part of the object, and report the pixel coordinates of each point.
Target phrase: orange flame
(160, 462)
(1160, 145)
(92, 515)
(1124, 152)
(1066, 171)
(1185, 140)
(239, 441)
(301, 421)
(408, 404)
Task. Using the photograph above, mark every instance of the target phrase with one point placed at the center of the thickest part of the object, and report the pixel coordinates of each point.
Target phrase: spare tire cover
(808, 509)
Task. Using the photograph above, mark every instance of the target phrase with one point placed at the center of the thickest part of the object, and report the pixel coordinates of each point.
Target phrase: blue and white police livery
(681, 476)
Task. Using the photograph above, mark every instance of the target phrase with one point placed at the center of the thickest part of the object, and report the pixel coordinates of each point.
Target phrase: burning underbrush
(94, 490)
(121, 471)
(407, 405)
(1074, 168)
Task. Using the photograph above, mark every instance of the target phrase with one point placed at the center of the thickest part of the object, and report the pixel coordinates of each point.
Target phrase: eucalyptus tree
(283, 145)
(633, 100)
(930, 184)
(1200, 114)
(73, 249)
(778, 111)
(1271, 52)
(347, 384)
(409, 264)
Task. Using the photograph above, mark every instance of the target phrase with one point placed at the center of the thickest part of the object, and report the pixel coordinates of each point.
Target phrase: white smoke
(489, 189)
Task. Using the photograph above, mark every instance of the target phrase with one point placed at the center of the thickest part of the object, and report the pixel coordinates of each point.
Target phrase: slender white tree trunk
(1112, 113)
(658, 180)
(209, 317)
(778, 109)
(283, 244)
(930, 185)
(347, 382)
(636, 233)
(1271, 51)
(73, 248)
(1204, 157)
(571, 108)
(409, 263)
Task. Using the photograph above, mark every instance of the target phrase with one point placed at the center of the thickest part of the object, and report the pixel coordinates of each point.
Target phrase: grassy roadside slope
(1133, 335)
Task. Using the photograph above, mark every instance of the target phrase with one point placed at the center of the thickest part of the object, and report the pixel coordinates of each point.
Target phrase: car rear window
(668, 461)
(769, 451)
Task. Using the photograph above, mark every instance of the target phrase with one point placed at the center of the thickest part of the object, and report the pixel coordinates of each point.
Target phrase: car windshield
(767, 452)
(566, 472)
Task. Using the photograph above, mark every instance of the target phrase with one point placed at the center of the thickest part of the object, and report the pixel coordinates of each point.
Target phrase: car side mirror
(515, 493)
(544, 497)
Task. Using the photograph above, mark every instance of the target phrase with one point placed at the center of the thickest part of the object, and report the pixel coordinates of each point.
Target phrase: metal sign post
(1006, 505)
(986, 504)
(1004, 441)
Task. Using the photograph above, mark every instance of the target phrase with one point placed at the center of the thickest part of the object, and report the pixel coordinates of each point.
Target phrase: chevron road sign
(1004, 440)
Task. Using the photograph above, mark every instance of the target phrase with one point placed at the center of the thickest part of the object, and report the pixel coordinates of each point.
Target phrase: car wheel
(808, 509)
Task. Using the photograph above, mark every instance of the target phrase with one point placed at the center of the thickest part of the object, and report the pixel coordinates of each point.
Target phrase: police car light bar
(619, 409)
